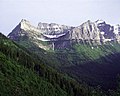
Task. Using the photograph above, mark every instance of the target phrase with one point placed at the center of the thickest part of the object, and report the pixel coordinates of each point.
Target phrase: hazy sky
(69, 12)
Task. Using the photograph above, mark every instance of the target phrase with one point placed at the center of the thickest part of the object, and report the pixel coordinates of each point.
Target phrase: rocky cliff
(61, 36)
(86, 33)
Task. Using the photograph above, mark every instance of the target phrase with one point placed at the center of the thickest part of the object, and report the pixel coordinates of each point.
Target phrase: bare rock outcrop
(86, 33)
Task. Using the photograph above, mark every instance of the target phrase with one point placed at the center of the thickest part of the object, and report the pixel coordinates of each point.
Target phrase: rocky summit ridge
(61, 36)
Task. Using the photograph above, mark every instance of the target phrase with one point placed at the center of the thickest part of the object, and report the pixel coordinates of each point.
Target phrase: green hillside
(23, 74)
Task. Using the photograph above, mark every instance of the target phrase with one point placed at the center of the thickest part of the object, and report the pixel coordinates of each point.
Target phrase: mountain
(23, 74)
(88, 53)
(57, 36)
(38, 34)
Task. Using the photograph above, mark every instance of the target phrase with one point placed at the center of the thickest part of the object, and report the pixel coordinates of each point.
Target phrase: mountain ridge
(92, 33)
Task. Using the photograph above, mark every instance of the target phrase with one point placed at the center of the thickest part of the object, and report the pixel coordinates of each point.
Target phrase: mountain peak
(100, 21)
(24, 20)
(25, 25)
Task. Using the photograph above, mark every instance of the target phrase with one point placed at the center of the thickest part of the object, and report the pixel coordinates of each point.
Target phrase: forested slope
(22, 74)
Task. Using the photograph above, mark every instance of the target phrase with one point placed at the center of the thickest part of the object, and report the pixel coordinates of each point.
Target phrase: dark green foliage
(17, 75)
(23, 74)
(16, 80)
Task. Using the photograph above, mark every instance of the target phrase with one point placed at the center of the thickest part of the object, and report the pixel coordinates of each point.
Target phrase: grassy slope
(97, 66)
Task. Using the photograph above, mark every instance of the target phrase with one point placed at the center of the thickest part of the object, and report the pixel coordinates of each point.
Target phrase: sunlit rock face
(86, 33)
(117, 33)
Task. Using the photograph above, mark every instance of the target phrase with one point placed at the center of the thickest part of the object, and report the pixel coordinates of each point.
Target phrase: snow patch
(54, 36)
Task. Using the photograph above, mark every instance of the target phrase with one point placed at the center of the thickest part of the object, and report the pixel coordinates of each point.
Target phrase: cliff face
(86, 33)
(117, 33)
(61, 36)
(93, 32)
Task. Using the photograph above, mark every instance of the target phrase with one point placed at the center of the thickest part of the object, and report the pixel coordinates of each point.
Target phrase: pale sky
(68, 12)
